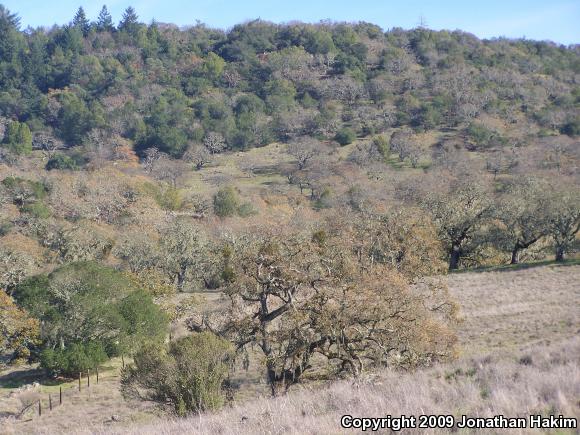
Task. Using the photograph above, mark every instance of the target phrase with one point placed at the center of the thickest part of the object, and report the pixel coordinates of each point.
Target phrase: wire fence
(47, 402)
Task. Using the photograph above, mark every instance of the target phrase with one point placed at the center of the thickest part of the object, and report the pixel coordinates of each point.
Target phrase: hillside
(113, 90)
(210, 217)
(519, 354)
(127, 126)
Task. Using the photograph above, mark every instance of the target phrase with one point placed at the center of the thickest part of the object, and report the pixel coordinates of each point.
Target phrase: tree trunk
(180, 281)
(267, 347)
(273, 379)
(559, 253)
(515, 255)
(454, 257)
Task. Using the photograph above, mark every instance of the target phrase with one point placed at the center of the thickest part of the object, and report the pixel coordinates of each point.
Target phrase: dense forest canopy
(161, 86)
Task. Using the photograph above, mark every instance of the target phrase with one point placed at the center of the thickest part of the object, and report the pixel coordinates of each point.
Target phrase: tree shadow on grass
(521, 266)
(21, 377)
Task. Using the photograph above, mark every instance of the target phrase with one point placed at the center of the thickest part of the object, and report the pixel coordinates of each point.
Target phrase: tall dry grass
(539, 380)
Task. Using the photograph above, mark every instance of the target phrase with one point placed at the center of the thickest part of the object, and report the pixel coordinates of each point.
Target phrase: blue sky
(557, 20)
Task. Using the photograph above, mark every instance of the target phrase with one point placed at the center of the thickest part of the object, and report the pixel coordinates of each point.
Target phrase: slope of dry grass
(521, 354)
(541, 380)
(509, 308)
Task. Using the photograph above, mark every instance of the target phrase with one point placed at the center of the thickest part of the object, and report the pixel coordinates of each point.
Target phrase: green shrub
(28, 196)
(478, 132)
(188, 374)
(76, 358)
(16, 185)
(226, 202)
(5, 227)
(18, 138)
(168, 198)
(345, 136)
(571, 127)
(246, 209)
(11, 182)
(428, 117)
(382, 145)
(37, 209)
(61, 162)
(484, 137)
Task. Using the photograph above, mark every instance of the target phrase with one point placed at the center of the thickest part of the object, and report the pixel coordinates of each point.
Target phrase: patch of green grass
(166, 197)
(393, 161)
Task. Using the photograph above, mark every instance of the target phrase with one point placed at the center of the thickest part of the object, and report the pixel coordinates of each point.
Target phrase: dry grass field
(520, 355)
(541, 380)
(506, 309)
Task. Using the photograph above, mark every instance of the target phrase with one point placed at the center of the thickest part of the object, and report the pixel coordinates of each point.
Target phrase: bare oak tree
(304, 150)
(199, 155)
(214, 142)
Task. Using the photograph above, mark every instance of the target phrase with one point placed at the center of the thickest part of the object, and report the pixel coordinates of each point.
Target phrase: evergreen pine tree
(104, 21)
(9, 18)
(9, 24)
(129, 22)
(81, 22)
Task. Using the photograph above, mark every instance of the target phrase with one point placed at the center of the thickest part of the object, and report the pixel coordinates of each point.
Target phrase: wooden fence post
(49, 401)
(80, 388)
(88, 378)
(97, 375)
(123, 360)
(39, 408)
(60, 395)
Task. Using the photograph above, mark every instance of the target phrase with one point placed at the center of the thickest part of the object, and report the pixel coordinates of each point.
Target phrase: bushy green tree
(226, 202)
(89, 311)
(12, 43)
(213, 66)
(18, 138)
(62, 162)
(345, 136)
(167, 125)
(76, 118)
(319, 42)
(279, 94)
(76, 358)
(188, 374)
